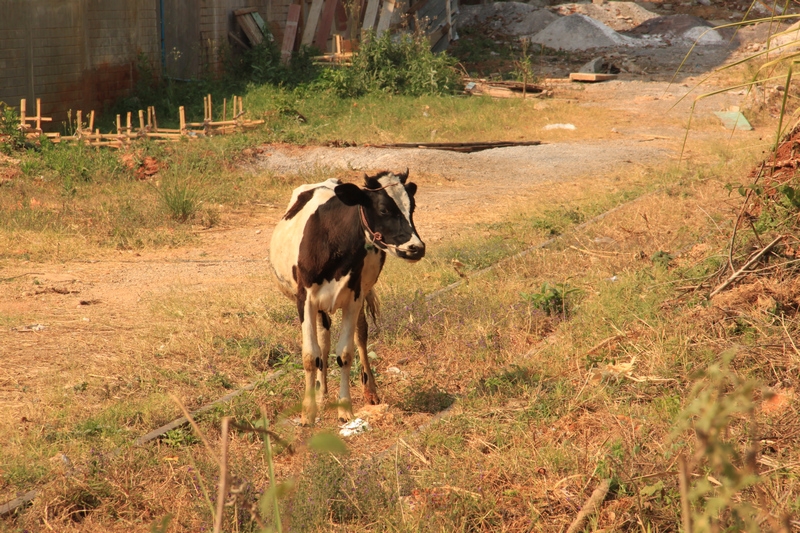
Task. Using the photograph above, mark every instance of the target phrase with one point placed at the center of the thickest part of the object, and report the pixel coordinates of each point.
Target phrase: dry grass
(545, 406)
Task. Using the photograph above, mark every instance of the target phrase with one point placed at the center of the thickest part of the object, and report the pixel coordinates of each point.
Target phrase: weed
(179, 437)
(719, 399)
(180, 198)
(553, 299)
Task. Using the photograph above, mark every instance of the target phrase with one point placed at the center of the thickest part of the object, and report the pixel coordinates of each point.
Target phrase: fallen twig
(683, 485)
(746, 266)
(739, 218)
(590, 506)
(222, 487)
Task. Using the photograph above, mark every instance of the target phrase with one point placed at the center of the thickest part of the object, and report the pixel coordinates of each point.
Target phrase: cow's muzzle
(412, 252)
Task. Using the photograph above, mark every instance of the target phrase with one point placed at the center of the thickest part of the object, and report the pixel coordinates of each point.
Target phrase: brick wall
(73, 54)
(82, 54)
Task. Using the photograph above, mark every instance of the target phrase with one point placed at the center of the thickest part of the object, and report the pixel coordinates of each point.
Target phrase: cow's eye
(383, 212)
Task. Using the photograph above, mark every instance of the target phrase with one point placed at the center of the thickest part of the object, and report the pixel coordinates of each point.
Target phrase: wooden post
(141, 120)
(155, 119)
(385, 20)
(224, 108)
(119, 124)
(210, 109)
(311, 23)
(128, 122)
(22, 123)
(182, 116)
(38, 115)
(290, 32)
(448, 11)
(91, 120)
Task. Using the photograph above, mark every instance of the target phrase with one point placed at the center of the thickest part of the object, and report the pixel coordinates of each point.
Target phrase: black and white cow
(327, 252)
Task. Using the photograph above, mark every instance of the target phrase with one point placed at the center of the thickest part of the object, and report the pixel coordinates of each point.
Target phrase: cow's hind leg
(367, 378)
(324, 341)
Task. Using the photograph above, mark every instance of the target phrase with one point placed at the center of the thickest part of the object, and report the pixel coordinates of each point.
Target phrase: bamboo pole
(182, 117)
(224, 108)
(141, 120)
(79, 118)
(119, 125)
(91, 120)
(128, 127)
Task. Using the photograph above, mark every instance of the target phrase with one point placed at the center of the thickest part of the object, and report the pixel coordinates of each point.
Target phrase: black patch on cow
(326, 320)
(318, 362)
(318, 385)
(332, 247)
(339, 361)
(294, 274)
(302, 200)
(364, 378)
(301, 301)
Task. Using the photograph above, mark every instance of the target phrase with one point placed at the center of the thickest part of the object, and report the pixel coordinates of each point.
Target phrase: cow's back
(288, 233)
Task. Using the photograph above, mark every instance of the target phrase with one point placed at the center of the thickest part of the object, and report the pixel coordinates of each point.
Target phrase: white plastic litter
(354, 427)
(560, 127)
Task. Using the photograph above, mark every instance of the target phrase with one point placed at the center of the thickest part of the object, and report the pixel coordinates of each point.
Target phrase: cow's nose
(417, 250)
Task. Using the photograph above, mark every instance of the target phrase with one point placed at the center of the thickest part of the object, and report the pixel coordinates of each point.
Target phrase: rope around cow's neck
(376, 237)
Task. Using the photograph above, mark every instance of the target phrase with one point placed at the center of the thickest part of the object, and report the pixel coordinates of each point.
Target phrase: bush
(399, 65)
(262, 64)
(11, 138)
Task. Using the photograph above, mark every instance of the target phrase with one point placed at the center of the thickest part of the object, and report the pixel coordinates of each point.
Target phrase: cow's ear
(351, 194)
(411, 188)
(403, 176)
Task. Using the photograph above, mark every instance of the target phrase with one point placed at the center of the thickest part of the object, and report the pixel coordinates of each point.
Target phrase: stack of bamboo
(148, 129)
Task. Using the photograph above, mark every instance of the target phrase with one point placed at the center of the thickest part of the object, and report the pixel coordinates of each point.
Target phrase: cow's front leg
(324, 341)
(345, 350)
(367, 378)
(311, 354)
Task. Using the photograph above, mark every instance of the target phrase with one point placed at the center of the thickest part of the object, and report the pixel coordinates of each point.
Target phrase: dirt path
(95, 313)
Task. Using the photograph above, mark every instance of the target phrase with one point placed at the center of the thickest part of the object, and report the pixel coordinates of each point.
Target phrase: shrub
(399, 65)
(11, 138)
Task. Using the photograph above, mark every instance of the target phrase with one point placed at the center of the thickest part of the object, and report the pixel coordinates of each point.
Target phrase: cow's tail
(373, 305)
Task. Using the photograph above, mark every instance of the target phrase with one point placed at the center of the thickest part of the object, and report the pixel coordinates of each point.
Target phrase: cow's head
(387, 205)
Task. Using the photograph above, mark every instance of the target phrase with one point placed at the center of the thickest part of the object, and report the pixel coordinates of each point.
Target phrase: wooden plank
(341, 17)
(416, 6)
(386, 17)
(289, 34)
(250, 28)
(370, 15)
(259, 22)
(325, 23)
(244, 11)
(591, 76)
(235, 39)
(311, 23)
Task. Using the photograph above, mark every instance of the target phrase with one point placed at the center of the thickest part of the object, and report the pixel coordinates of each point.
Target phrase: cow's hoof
(345, 410)
(371, 397)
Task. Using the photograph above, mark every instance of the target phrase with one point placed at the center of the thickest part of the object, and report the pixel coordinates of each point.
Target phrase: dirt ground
(99, 303)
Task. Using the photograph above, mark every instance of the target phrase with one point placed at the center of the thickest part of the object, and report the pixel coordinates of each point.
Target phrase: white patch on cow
(397, 192)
